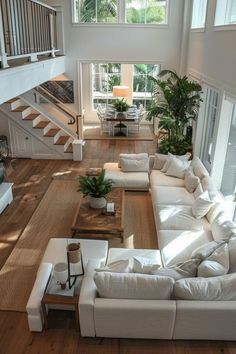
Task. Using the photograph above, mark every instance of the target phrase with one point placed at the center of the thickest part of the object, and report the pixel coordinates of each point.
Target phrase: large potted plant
(96, 188)
(176, 102)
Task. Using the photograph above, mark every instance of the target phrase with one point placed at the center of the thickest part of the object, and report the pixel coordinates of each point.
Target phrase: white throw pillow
(205, 250)
(191, 181)
(186, 269)
(121, 266)
(202, 205)
(198, 191)
(177, 168)
(170, 156)
(144, 265)
(222, 229)
(216, 264)
(198, 168)
(140, 156)
(128, 165)
(133, 286)
(159, 161)
(222, 288)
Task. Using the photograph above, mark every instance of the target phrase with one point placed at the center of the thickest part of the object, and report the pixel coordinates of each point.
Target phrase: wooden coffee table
(93, 224)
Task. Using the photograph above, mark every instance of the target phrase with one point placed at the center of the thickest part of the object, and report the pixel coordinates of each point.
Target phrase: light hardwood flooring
(31, 179)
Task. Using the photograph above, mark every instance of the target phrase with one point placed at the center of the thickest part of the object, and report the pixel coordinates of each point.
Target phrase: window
(146, 11)
(209, 128)
(95, 11)
(104, 77)
(199, 13)
(225, 12)
(142, 85)
(120, 11)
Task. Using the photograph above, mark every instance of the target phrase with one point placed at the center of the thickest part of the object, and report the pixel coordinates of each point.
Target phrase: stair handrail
(74, 116)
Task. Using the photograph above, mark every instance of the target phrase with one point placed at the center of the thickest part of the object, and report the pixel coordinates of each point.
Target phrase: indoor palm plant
(96, 188)
(176, 102)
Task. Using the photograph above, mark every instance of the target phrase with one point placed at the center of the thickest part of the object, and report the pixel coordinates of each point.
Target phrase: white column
(3, 53)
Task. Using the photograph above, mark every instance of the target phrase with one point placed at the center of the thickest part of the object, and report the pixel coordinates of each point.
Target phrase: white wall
(212, 54)
(122, 43)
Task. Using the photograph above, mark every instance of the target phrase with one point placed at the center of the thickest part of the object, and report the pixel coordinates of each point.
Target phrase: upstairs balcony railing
(27, 29)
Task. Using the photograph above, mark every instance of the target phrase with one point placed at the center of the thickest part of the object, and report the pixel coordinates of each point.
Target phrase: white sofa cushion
(198, 168)
(121, 266)
(131, 180)
(187, 269)
(222, 229)
(159, 161)
(131, 157)
(221, 288)
(158, 178)
(216, 264)
(177, 196)
(177, 245)
(177, 217)
(133, 165)
(191, 181)
(177, 167)
(133, 286)
(202, 205)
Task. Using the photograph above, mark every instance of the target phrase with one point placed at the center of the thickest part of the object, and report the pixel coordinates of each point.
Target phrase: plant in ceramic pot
(96, 188)
(175, 102)
(121, 106)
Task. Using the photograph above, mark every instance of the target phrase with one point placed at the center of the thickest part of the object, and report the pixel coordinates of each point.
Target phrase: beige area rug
(93, 132)
(53, 218)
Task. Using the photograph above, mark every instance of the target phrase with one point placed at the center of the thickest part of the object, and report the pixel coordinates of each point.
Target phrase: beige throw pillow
(202, 205)
(216, 264)
(186, 269)
(144, 265)
(222, 229)
(170, 156)
(121, 266)
(140, 156)
(159, 161)
(129, 165)
(191, 181)
(177, 168)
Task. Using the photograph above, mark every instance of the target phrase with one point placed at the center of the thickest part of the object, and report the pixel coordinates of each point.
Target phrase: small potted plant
(96, 188)
(121, 106)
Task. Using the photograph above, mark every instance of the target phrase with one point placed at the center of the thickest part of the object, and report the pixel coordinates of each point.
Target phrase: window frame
(121, 18)
(199, 28)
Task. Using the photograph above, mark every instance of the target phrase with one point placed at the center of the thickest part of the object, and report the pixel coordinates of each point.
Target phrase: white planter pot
(97, 203)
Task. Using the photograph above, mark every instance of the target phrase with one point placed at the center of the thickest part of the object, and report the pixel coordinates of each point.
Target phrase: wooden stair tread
(69, 149)
(62, 140)
(12, 100)
(20, 109)
(52, 132)
(41, 125)
(31, 116)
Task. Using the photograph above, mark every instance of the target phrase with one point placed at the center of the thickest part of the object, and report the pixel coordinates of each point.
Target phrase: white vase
(97, 203)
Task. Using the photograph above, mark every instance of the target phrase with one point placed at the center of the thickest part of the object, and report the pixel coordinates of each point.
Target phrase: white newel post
(78, 150)
(52, 34)
(3, 54)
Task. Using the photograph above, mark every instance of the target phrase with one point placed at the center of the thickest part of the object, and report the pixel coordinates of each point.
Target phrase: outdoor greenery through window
(107, 11)
(136, 76)
(225, 12)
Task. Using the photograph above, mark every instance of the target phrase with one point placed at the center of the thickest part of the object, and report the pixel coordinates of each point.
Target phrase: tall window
(199, 13)
(146, 11)
(209, 127)
(142, 85)
(120, 11)
(225, 12)
(95, 11)
(228, 186)
(104, 77)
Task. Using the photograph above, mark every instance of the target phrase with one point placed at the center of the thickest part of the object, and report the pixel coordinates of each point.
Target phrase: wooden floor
(31, 179)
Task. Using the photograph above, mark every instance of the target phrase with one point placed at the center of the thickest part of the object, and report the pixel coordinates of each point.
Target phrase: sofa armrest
(88, 294)
(33, 307)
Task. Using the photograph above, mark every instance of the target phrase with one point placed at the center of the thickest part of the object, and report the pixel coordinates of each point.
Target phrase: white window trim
(226, 27)
(120, 19)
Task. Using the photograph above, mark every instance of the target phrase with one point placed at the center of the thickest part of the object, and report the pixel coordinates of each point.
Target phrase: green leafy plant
(176, 103)
(121, 105)
(96, 187)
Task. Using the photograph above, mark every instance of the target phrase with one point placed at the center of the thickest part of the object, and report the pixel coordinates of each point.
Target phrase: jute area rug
(53, 218)
(93, 132)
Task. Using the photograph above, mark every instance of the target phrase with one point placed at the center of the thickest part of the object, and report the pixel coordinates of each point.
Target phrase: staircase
(41, 127)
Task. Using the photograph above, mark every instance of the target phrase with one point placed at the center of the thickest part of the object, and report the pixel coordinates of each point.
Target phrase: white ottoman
(6, 196)
(95, 250)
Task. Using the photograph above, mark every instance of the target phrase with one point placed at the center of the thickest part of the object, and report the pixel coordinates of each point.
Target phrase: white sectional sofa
(179, 233)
